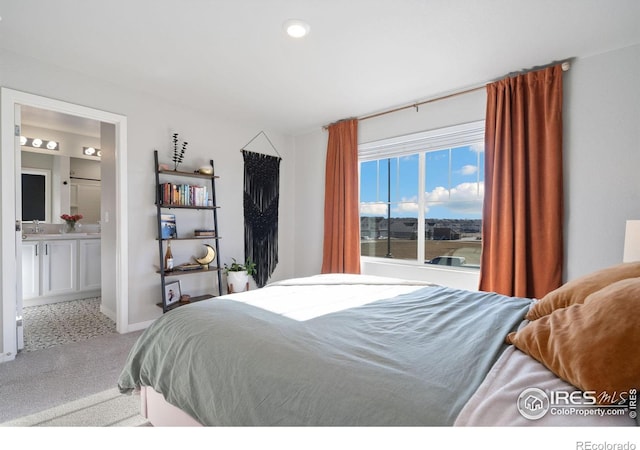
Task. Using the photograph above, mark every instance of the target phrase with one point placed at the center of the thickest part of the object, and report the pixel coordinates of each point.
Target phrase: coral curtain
(522, 241)
(341, 247)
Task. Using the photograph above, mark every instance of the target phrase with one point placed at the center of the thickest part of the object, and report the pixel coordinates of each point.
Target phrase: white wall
(311, 152)
(151, 121)
(601, 151)
(602, 156)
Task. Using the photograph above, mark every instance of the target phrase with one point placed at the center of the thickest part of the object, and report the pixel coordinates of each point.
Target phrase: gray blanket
(413, 360)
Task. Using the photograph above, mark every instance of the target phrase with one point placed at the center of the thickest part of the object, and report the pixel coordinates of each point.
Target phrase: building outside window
(421, 196)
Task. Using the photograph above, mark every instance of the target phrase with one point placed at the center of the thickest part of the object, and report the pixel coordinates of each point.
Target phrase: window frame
(420, 144)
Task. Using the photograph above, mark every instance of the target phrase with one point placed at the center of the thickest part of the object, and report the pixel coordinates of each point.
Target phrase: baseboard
(139, 326)
(128, 327)
(40, 301)
(107, 312)
(7, 357)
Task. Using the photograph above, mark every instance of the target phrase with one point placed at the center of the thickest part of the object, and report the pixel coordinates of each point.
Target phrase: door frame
(9, 98)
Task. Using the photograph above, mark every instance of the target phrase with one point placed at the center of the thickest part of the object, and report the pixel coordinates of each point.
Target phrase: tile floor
(59, 323)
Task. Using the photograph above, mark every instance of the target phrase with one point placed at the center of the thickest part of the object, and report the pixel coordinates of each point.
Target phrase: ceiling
(231, 57)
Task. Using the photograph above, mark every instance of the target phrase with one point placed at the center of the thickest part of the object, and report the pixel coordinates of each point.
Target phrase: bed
(347, 350)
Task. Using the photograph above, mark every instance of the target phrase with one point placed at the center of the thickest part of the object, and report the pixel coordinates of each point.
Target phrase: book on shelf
(168, 226)
(200, 233)
(183, 194)
(188, 266)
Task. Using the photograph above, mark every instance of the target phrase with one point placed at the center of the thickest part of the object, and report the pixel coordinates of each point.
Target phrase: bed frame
(161, 413)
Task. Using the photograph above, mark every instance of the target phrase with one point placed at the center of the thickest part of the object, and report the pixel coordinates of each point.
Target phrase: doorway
(113, 224)
(68, 149)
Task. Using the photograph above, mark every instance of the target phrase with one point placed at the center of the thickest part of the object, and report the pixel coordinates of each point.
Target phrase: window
(36, 195)
(421, 196)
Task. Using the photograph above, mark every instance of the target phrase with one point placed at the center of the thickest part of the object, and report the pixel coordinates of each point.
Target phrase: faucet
(36, 229)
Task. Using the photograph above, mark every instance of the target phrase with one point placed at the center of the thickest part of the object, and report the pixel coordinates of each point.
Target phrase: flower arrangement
(71, 220)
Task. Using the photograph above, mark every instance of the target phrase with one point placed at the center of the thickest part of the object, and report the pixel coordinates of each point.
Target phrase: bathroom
(60, 169)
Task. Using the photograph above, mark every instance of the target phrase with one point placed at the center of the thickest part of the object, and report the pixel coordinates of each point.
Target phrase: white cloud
(407, 205)
(468, 191)
(439, 194)
(478, 148)
(464, 198)
(373, 209)
(469, 170)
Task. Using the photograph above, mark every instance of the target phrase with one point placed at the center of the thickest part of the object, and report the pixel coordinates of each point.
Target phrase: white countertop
(57, 236)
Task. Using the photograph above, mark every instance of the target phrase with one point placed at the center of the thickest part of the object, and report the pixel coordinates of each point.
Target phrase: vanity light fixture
(296, 28)
(91, 151)
(38, 143)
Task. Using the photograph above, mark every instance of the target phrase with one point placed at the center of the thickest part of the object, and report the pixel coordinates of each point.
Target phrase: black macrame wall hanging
(261, 196)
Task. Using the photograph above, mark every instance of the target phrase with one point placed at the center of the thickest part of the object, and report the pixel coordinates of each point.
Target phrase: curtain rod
(565, 67)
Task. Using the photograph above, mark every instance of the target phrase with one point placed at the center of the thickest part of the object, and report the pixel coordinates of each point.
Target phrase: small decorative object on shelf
(178, 155)
(172, 292)
(169, 229)
(70, 222)
(168, 258)
(208, 257)
(205, 170)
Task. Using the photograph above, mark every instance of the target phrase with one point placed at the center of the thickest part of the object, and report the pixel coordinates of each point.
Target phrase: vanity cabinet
(49, 267)
(30, 269)
(59, 263)
(60, 268)
(90, 268)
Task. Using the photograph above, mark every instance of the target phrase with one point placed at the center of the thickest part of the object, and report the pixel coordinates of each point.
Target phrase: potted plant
(238, 275)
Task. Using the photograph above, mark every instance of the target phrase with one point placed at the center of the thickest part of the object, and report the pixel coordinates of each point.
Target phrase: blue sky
(454, 184)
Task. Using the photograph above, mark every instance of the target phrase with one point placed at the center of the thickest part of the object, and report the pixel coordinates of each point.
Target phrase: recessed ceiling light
(296, 28)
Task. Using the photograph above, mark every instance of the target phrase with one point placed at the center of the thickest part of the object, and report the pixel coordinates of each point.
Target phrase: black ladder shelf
(160, 207)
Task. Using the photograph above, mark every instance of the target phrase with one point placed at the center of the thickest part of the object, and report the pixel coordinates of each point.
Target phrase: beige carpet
(104, 409)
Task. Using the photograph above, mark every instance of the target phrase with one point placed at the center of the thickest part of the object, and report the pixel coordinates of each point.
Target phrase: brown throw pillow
(576, 291)
(594, 345)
